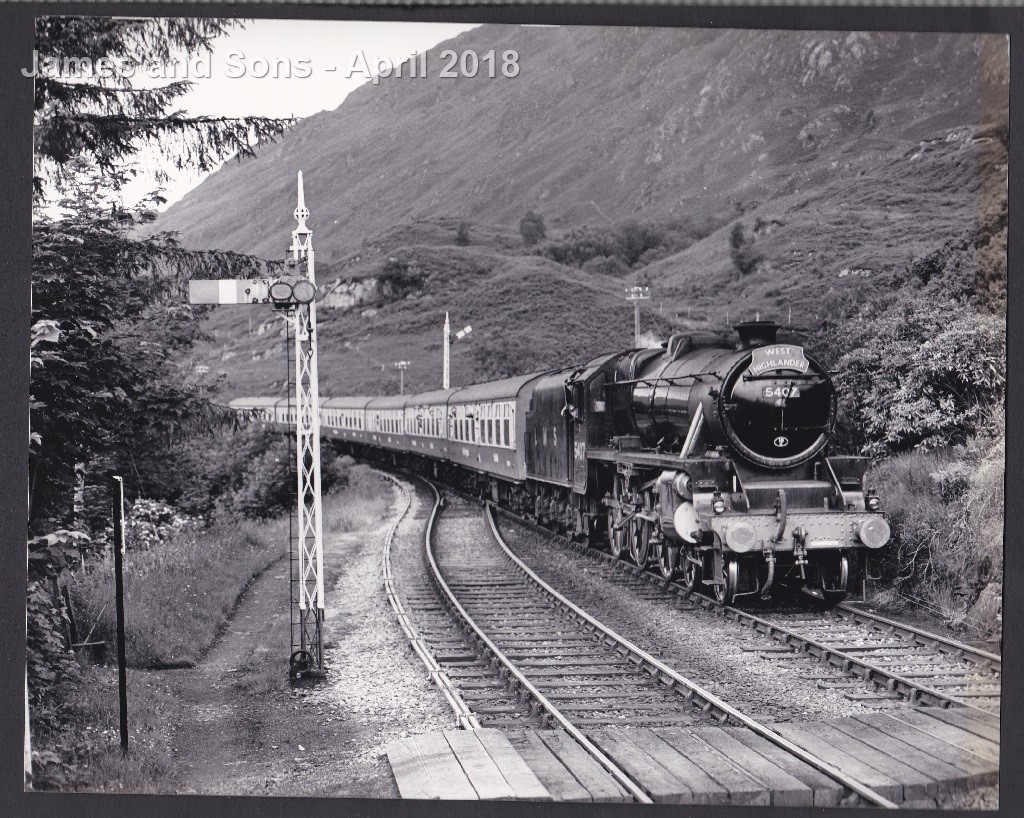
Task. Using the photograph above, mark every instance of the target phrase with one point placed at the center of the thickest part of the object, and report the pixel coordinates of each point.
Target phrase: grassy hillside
(527, 313)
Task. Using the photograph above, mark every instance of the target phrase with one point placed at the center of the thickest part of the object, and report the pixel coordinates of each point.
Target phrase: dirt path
(243, 730)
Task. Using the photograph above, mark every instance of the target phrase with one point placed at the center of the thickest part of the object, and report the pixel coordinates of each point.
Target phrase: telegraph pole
(446, 373)
(446, 378)
(402, 366)
(636, 295)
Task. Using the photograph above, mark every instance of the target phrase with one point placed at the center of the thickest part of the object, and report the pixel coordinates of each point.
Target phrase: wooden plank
(411, 776)
(654, 779)
(942, 775)
(915, 784)
(959, 740)
(743, 789)
(595, 778)
(968, 721)
(551, 772)
(516, 771)
(804, 735)
(447, 778)
(827, 792)
(704, 788)
(784, 789)
(967, 763)
(991, 719)
(483, 773)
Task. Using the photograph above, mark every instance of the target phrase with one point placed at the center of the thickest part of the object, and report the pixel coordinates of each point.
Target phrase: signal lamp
(304, 291)
(873, 503)
(718, 506)
(281, 290)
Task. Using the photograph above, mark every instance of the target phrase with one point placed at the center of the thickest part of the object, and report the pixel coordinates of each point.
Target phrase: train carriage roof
(252, 403)
(437, 397)
(494, 390)
(345, 403)
(388, 402)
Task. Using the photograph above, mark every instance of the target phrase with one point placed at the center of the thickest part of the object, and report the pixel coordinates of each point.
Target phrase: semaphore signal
(295, 295)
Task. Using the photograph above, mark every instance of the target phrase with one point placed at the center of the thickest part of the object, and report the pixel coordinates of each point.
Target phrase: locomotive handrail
(699, 376)
(802, 376)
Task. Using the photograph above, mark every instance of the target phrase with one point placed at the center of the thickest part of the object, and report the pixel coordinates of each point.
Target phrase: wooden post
(122, 677)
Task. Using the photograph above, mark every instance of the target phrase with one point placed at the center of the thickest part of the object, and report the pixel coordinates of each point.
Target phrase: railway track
(898, 660)
(517, 653)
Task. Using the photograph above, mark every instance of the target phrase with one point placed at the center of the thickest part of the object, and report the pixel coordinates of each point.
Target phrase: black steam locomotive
(707, 458)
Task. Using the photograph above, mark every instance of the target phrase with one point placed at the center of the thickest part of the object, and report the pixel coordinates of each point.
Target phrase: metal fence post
(118, 545)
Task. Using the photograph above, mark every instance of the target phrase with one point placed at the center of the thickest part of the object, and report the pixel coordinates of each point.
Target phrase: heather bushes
(629, 245)
(946, 512)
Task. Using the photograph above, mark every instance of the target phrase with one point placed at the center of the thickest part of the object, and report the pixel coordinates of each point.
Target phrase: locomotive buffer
(294, 294)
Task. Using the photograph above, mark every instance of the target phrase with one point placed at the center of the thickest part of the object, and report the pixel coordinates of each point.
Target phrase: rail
(913, 691)
(464, 717)
(694, 691)
(559, 718)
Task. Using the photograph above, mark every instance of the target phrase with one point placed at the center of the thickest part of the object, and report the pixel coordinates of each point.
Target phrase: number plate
(781, 392)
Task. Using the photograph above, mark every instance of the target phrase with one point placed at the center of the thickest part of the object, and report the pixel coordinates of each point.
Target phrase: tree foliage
(917, 374)
(745, 256)
(531, 228)
(109, 313)
(108, 120)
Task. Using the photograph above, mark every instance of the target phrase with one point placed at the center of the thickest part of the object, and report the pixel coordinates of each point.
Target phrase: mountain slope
(640, 123)
(840, 159)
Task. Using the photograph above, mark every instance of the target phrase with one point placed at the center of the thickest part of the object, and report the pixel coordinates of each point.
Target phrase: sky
(283, 68)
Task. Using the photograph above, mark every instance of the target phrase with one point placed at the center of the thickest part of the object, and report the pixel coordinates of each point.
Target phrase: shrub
(742, 251)
(247, 472)
(608, 265)
(920, 376)
(946, 512)
(398, 278)
(532, 229)
(635, 238)
(462, 234)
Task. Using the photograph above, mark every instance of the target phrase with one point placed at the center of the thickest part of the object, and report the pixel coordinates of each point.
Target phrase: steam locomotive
(705, 457)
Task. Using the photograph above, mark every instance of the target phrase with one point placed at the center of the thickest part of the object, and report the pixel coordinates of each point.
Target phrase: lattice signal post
(294, 294)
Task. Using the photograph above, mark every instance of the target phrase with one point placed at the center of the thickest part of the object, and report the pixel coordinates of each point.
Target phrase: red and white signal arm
(229, 291)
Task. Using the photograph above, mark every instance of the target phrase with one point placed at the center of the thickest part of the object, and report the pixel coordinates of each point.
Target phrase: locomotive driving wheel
(693, 571)
(725, 591)
(640, 541)
(668, 559)
(616, 536)
(640, 531)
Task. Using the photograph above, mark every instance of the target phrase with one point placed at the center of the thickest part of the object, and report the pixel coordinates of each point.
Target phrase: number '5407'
(469, 63)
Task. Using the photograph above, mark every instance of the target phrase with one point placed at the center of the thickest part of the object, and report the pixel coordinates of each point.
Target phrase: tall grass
(360, 505)
(179, 593)
(946, 512)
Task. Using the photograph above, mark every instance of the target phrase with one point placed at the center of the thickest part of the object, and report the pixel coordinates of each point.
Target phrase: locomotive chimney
(756, 333)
